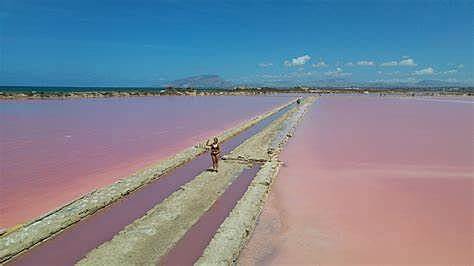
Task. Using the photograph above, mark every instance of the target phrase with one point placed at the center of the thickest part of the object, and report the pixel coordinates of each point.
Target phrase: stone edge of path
(237, 228)
(148, 239)
(25, 236)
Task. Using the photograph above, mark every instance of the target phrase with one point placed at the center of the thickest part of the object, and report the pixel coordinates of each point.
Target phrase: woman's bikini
(215, 149)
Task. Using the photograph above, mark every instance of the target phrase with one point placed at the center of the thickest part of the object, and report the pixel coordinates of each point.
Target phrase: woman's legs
(215, 162)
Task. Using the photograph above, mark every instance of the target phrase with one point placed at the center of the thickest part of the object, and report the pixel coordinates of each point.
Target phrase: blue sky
(146, 43)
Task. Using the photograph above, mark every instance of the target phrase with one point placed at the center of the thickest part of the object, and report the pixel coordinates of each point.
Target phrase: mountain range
(201, 81)
(215, 81)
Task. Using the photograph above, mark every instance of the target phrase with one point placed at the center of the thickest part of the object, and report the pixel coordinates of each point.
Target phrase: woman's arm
(208, 145)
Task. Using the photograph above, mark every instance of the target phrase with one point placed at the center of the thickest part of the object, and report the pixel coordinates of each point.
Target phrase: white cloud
(320, 64)
(365, 63)
(460, 66)
(337, 73)
(265, 64)
(425, 71)
(405, 57)
(390, 63)
(404, 62)
(360, 63)
(452, 71)
(298, 61)
(407, 62)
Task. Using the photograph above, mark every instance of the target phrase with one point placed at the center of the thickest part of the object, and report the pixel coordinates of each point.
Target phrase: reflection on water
(373, 181)
(52, 151)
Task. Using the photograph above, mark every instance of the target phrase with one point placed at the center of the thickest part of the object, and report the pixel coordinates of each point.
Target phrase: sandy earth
(372, 181)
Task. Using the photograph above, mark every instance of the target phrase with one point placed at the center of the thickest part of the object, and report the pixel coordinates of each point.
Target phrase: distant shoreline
(64, 93)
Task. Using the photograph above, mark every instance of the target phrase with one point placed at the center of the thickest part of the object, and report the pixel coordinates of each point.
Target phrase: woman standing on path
(215, 151)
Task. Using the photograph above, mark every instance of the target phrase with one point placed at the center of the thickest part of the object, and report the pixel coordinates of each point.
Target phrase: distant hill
(332, 82)
(382, 84)
(438, 83)
(201, 81)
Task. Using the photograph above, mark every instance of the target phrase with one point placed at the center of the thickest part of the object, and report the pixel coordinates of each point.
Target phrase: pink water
(191, 246)
(373, 181)
(53, 151)
(79, 239)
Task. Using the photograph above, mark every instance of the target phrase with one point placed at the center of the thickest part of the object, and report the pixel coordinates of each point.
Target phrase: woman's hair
(215, 139)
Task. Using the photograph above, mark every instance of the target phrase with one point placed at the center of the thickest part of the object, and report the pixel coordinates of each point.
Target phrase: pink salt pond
(372, 180)
(53, 151)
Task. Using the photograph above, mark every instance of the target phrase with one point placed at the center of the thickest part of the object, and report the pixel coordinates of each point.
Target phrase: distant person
(215, 151)
(298, 101)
